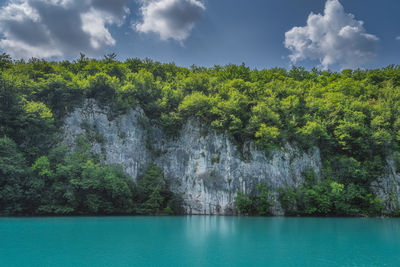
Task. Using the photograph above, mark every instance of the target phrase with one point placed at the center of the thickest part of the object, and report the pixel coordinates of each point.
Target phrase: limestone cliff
(205, 167)
(387, 187)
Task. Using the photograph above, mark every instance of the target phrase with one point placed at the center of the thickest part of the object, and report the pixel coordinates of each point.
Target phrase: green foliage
(262, 201)
(329, 198)
(30, 124)
(243, 203)
(101, 87)
(266, 134)
(353, 112)
(5, 61)
(76, 183)
(152, 193)
(13, 176)
(396, 159)
(255, 203)
(288, 200)
(38, 109)
(65, 183)
(352, 116)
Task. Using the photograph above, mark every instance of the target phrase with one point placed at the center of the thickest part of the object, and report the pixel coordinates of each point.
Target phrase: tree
(110, 57)
(14, 174)
(155, 201)
(5, 61)
(243, 203)
(263, 203)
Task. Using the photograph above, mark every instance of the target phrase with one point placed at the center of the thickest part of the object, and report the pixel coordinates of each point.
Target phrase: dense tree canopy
(353, 116)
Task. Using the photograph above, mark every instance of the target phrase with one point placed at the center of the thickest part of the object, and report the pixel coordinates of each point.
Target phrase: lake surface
(199, 241)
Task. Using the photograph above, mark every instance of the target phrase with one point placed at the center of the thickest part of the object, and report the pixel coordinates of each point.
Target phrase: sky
(327, 34)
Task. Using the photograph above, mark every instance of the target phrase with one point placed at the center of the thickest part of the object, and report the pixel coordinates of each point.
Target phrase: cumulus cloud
(58, 28)
(334, 37)
(171, 19)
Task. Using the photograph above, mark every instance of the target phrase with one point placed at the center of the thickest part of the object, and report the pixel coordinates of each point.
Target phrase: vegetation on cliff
(352, 116)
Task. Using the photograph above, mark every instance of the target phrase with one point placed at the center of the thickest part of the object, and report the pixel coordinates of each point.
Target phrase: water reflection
(199, 241)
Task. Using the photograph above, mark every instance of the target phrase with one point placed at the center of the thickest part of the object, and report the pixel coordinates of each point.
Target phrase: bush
(152, 194)
(352, 116)
(255, 203)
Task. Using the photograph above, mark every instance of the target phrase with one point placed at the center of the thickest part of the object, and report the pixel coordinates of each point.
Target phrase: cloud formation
(58, 28)
(398, 38)
(171, 19)
(334, 37)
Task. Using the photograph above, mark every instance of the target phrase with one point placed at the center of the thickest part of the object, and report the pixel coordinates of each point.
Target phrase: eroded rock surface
(207, 168)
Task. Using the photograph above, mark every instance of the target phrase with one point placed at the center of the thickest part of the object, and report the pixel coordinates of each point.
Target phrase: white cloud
(398, 38)
(58, 28)
(171, 19)
(93, 23)
(334, 37)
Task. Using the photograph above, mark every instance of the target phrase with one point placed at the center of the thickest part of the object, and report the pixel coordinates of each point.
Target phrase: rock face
(206, 168)
(387, 187)
(209, 169)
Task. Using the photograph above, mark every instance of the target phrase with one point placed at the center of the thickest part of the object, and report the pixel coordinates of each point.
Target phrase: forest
(352, 116)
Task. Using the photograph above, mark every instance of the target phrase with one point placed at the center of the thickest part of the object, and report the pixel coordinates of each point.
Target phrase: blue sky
(259, 33)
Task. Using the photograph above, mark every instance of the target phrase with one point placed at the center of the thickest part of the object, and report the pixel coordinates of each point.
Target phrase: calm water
(198, 241)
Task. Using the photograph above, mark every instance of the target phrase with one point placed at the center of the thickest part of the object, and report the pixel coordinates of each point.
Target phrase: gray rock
(206, 169)
(387, 187)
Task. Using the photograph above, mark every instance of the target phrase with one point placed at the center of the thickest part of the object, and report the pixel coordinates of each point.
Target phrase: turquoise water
(198, 241)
